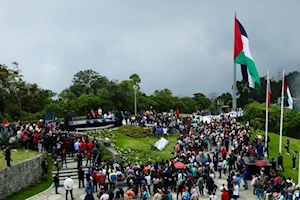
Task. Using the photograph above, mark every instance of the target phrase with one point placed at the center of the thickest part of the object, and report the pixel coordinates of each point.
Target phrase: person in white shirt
(148, 179)
(19, 134)
(104, 196)
(165, 131)
(212, 196)
(222, 187)
(77, 146)
(68, 184)
(236, 190)
(100, 111)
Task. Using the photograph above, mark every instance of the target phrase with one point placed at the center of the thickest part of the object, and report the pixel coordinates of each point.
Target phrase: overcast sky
(186, 46)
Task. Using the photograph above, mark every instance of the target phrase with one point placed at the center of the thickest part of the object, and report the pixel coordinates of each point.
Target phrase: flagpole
(234, 88)
(281, 115)
(234, 73)
(298, 168)
(267, 115)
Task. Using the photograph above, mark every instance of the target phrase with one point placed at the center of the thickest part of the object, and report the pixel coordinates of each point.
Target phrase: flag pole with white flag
(268, 93)
(281, 115)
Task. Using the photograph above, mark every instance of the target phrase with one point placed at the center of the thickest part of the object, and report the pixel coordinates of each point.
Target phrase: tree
(16, 64)
(226, 97)
(135, 78)
(202, 101)
(88, 81)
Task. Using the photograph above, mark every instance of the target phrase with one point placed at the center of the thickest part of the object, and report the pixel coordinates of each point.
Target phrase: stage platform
(90, 123)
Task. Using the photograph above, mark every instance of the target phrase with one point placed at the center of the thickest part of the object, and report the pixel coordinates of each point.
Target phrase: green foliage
(135, 131)
(141, 150)
(37, 187)
(5, 134)
(202, 101)
(247, 95)
(18, 97)
(105, 154)
(255, 113)
(89, 90)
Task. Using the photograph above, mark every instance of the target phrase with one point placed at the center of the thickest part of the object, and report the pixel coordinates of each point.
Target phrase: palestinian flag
(243, 56)
(288, 100)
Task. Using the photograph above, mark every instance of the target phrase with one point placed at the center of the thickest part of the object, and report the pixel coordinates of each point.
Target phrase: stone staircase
(71, 171)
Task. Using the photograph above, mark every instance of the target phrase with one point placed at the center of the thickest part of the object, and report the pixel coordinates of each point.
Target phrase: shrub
(135, 131)
(255, 113)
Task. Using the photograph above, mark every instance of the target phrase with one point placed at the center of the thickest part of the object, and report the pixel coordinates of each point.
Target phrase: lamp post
(135, 88)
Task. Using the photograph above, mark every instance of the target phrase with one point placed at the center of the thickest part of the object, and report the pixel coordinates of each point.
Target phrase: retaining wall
(19, 176)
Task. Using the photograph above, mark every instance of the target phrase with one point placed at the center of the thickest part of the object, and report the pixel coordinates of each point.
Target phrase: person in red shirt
(224, 152)
(83, 147)
(36, 137)
(100, 179)
(225, 194)
(177, 112)
(90, 145)
(94, 176)
(24, 140)
(88, 157)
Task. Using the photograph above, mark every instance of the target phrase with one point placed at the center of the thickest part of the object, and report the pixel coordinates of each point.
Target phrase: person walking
(280, 161)
(294, 159)
(81, 177)
(68, 183)
(287, 147)
(56, 183)
(64, 158)
(245, 178)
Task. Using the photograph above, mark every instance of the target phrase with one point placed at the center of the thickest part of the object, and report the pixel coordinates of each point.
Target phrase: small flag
(288, 100)
(269, 92)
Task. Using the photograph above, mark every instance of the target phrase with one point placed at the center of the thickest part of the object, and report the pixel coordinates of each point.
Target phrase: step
(68, 158)
(67, 174)
(62, 178)
(67, 170)
(68, 161)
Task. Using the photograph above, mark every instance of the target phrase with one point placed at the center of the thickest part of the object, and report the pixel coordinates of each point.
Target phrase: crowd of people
(204, 152)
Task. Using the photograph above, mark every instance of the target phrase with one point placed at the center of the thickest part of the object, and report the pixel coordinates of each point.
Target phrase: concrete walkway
(79, 193)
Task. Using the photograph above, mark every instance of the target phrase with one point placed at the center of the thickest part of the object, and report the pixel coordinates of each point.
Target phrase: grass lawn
(143, 144)
(287, 159)
(17, 156)
(37, 187)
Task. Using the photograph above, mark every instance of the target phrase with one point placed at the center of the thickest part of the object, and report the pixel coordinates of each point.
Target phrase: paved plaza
(79, 193)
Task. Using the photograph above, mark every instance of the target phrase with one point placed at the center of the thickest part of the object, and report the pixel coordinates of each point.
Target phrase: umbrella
(261, 163)
(179, 165)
